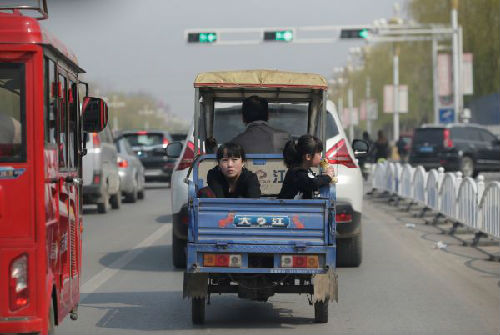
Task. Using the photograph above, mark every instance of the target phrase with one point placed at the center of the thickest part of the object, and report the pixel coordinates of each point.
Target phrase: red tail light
(165, 142)
(96, 179)
(18, 283)
(96, 140)
(222, 260)
(300, 261)
(187, 157)
(447, 142)
(338, 154)
(343, 217)
(142, 132)
(122, 163)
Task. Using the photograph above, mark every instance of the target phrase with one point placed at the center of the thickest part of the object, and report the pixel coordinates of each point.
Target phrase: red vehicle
(41, 130)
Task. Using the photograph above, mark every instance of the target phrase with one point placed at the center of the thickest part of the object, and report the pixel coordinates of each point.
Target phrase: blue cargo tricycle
(256, 248)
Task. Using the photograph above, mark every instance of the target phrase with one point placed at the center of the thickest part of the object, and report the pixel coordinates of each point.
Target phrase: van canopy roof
(260, 79)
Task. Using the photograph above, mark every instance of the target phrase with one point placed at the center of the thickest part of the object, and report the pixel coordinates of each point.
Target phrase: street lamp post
(395, 95)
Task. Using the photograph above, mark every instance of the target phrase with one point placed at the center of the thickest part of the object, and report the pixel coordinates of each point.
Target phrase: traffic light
(202, 37)
(278, 36)
(355, 33)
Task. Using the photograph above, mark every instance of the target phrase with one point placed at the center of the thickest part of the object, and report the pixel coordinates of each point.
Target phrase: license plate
(426, 149)
(154, 172)
(261, 221)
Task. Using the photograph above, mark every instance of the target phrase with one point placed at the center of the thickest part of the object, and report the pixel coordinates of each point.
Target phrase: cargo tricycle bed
(258, 247)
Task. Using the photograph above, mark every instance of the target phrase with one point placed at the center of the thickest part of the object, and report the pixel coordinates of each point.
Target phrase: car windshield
(144, 139)
(12, 144)
(228, 123)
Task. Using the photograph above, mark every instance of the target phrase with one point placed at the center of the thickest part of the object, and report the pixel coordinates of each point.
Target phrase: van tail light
(97, 178)
(165, 142)
(300, 261)
(18, 283)
(222, 260)
(338, 154)
(96, 141)
(343, 217)
(187, 157)
(122, 163)
(447, 142)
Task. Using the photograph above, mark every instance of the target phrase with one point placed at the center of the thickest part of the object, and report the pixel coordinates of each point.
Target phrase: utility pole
(435, 93)
(350, 102)
(395, 95)
(456, 60)
(368, 96)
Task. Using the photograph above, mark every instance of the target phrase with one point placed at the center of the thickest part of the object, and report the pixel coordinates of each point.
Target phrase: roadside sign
(446, 115)
(468, 74)
(389, 98)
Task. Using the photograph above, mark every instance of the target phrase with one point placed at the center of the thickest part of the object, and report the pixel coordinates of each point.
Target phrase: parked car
(340, 155)
(130, 170)
(101, 182)
(150, 145)
(468, 148)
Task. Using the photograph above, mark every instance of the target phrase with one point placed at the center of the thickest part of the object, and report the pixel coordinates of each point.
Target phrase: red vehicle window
(12, 114)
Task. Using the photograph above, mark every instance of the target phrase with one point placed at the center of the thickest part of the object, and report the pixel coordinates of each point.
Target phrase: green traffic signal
(202, 37)
(355, 33)
(278, 36)
(363, 33)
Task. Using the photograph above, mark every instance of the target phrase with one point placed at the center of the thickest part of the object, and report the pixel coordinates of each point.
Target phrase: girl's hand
(330, 172)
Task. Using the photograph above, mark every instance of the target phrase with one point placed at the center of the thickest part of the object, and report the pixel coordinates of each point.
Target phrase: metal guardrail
(462, 200)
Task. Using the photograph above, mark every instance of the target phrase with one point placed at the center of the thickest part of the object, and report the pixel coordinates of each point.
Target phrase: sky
(139, 46)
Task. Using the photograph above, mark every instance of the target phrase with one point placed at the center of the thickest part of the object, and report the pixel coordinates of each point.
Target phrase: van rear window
(428, 135)
(12, 114)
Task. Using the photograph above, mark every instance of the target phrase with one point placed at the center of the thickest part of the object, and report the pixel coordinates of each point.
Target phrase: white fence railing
(463, 200)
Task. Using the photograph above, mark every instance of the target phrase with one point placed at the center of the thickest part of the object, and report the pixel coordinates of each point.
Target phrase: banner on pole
(389, 98)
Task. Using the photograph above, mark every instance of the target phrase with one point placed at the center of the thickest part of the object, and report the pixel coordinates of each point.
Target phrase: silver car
(101, 183)
(131, 171)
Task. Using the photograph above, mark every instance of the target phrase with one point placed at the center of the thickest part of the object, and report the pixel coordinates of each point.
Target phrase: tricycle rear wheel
(198, 310)
(321, 311)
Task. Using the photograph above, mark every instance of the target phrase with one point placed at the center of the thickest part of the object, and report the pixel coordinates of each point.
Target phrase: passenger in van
(230, 179)
(259, 137)
(300, 182)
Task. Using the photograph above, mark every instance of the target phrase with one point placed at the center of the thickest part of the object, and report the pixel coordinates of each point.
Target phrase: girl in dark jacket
(230, 179)
(300, 182)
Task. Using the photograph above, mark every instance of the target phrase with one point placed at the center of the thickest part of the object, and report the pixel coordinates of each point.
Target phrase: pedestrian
(381, 147)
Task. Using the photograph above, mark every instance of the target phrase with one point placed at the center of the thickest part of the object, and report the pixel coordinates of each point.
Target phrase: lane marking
(104, 275)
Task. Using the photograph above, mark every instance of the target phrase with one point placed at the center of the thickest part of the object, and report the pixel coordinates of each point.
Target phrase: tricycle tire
(349, 252)
(116, 200)
(321, 311)
(102, 207)
(178, 254)
(198, 311)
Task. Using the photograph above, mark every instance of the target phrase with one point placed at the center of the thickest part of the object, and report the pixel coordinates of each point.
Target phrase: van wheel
(102, 207)
(467, 167)
(321, 311)
(178, 253)
(116, 200)
(50, 321)
(198, 311)
(349, 252)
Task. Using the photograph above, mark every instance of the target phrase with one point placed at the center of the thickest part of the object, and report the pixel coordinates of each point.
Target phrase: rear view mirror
(94, 115)
(160, 151)
(360, 148)
(174, 149)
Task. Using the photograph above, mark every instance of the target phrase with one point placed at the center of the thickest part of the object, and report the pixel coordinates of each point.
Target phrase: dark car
(467, 148)
(150, 146)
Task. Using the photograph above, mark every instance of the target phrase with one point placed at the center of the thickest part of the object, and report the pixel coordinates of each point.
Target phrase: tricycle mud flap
(195, 285)
(325, 286)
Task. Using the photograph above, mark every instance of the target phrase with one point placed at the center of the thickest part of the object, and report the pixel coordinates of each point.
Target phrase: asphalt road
(404, 286)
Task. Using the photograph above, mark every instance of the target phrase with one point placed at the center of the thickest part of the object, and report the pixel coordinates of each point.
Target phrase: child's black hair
(294, 152)
(230, 150)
